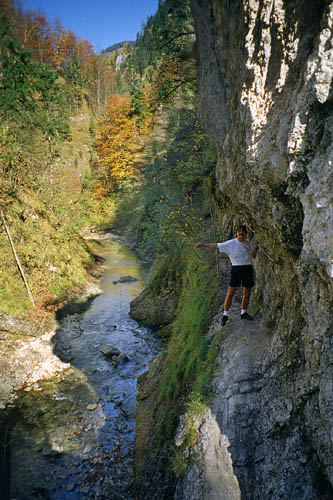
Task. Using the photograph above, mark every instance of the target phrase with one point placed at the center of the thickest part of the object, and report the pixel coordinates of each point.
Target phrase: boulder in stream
(125, 279)
(109, 351)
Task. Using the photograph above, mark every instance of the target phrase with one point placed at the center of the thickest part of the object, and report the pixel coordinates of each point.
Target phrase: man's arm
(206, 245)
(255, 249)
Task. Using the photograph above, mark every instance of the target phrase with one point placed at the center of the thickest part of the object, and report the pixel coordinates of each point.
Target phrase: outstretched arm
(206, 245)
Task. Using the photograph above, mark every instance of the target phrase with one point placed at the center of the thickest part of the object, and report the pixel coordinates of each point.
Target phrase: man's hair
(242, 227)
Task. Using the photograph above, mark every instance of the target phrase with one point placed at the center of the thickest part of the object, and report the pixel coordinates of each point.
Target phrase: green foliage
(16, 70)
(74, 79)
(160, 33)
(189, 359)
(29, 92)
(92, 127)
(45, 201)
(178, 464)
(139, 104)
(167, 272)
(163, 51)
(55, 258)
(156, 212)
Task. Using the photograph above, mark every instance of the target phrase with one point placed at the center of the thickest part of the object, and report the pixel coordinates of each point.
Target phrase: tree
(16, 71)
(116, 143)
(141, 108)
(164, 51)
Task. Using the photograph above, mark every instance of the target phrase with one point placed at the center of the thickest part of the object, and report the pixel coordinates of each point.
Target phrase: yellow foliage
(116, 142)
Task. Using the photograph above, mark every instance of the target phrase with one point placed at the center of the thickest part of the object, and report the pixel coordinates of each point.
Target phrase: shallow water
(74, 439)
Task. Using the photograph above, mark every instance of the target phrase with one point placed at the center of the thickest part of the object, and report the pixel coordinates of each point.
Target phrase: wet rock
(123, 412)
(48, 451)
(66, 358)
(14, 325)
(125, 279)
(92, 406)
(77, 411)
(109, 351)
(114, 361)
(123, 358)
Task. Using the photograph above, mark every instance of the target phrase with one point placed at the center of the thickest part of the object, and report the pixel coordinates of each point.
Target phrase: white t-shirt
(239, 253)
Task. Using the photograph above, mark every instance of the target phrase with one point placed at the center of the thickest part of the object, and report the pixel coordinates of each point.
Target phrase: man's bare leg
(246, 297)
(245, 303)
(227, 303)
(229, 297)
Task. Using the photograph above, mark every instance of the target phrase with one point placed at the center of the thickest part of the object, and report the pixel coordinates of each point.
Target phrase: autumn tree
(117, 147)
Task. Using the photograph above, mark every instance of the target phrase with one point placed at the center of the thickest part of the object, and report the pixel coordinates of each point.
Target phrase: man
(240, 252)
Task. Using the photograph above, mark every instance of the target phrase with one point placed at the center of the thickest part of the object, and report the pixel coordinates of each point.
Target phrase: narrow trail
(74, 438)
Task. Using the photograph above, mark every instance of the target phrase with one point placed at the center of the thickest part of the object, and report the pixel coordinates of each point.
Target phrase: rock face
(155, 311)
(265, 79)
(11, 324)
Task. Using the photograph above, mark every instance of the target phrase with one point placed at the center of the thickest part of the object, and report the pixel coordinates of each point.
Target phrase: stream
(74, 439)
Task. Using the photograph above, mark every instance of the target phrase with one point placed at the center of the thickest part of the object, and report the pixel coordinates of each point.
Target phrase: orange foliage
(117, 147)
(48, 41)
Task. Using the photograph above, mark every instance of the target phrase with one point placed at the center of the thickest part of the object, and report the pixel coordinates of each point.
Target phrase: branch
(172, 39)
(17, 259)
(166, 95)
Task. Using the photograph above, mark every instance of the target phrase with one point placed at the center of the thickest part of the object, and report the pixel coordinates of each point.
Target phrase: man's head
(241, 232)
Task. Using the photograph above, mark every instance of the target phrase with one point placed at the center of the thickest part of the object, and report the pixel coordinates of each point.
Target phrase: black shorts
(242, 276)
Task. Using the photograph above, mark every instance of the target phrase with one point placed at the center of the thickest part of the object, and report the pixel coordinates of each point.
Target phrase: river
(74, 438)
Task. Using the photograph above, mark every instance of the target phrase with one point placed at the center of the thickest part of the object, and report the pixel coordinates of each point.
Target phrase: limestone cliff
(265, 81)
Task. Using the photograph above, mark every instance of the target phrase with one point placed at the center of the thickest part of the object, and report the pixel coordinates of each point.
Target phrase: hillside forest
(85, 146)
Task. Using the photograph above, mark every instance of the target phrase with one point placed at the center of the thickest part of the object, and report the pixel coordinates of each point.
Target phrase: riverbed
(73, 438)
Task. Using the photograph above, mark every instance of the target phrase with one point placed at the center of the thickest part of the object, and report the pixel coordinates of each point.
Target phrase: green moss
(190, 359)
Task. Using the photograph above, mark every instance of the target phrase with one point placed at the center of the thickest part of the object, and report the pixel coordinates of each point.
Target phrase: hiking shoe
(247, 316)
(224, 320)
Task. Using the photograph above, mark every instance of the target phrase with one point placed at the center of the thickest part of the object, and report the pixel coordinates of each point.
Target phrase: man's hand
(255, 245)
(206, 245)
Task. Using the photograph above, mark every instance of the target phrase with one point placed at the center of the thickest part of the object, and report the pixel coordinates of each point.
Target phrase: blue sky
(102, 22)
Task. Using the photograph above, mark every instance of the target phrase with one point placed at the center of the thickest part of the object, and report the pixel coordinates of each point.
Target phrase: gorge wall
(265, 82)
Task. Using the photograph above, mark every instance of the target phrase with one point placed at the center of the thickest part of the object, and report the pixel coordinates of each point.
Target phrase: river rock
(125, 279)
(109, 351)
(14, 325)
(123, 358)
(48, 451)
(114, 361)
(92, 406)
